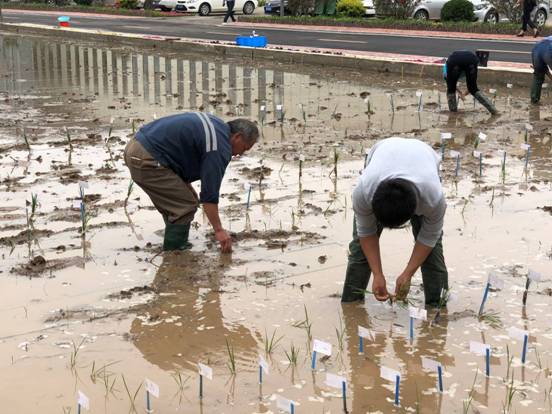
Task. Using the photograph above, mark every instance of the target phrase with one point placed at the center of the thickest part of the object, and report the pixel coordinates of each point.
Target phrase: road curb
(428, 67)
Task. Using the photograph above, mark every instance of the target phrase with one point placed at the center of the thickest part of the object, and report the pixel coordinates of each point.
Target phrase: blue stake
(260, 375)
(484, 298)
(344, 390)
(148, 403)
(313, 364)
(524, 352)
(361, 344)
(292, 408)
(200, 387)
(397, 383)
(411, 328)
(440, 375)
(487, 362)
(248, 197)
(527, 157)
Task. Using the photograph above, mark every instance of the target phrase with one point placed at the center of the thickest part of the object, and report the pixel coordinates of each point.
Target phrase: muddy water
(105, 311)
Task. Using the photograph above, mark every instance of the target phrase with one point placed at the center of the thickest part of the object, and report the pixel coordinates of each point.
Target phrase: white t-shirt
(411, 160)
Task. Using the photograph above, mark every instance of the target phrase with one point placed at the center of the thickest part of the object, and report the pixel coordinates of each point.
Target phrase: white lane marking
(137, 27)
(222, 33)
(341, 41)
(514, 52)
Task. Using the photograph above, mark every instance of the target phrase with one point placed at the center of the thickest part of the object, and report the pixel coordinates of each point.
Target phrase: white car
(206, 7)
(485, 12)
(369, 9)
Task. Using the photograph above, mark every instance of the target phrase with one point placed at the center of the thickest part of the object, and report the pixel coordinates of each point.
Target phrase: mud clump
(24, 237)
(256, 173)
(39, 265)
(129, 293)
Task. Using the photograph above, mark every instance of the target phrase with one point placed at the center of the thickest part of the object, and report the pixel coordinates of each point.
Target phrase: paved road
(210, 28)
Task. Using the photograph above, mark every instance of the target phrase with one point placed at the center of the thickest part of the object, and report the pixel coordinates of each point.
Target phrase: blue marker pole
(260, 375)
(524, 352)
(148, 403)
(440, 377)
(361, 344)
(248, 197)
(397, 383)
(527, 157)
(411, 328)
(484, 298)
(200, 387)
(487, 362)
(313, 363)
(344, 391)
(292, 408)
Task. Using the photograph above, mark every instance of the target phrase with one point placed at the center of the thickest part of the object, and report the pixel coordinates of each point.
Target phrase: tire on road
(248, 7)
(204, 9)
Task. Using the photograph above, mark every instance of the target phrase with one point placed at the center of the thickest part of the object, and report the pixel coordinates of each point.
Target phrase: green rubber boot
(176, 237)
(486, 102)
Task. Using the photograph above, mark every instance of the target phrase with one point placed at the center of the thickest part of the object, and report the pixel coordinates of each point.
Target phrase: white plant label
(366, 100)
(454, 154)
(446, 135)
(534, 276)
(111, 120)
(418, 94)
(301, 157)
(366, 333)
(430, 364)
(528, 127)
(501, 153)
(417, 313)
(83, 184)
(495, 281)
(545, 85)
(452, 297)
(389, 374)
(263, 108)
(525, 147)
(77, 204)
(335, 381)
(509, 85)
(478, 348)
(517, 333)
(83, 401)
(477, 154)
(205, 371)
(263, 364)
(284, 404)
(278, 107)
(152, 388)
(154, 116)
(493, 91)
(322, 347)
(482, 137)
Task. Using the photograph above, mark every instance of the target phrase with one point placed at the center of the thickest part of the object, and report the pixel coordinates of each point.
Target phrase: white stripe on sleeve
(212, 129)
(206, 131)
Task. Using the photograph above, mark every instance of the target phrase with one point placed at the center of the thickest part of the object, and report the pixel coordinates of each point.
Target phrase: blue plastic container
(251, 41)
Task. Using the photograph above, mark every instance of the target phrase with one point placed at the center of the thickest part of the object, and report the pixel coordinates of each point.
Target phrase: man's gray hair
(246, 128)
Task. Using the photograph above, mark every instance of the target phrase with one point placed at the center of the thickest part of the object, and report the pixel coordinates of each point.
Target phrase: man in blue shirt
(542, 61)
(170, 153)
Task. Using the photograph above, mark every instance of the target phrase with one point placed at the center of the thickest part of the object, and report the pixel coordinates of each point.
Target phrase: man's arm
(371, 249)
(221, 235)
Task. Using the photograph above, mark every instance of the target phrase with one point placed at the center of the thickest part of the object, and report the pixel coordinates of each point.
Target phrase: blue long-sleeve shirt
(195, 145)
(542, 55)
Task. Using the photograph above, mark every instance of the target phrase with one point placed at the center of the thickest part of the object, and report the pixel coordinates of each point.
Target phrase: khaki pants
(172, 197)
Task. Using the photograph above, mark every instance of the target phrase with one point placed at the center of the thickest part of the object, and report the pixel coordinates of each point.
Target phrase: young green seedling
(129, 191)
(231, 364)
(26, 139)
(419, 95)
(391, 102)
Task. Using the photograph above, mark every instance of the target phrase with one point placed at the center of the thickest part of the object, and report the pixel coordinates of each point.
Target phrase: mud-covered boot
(486, 102)
(452, 104)
(176, 237)
(536, 88)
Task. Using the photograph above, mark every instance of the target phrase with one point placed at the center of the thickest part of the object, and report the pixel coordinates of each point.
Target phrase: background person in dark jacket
(170, 153)
(542, 61)
(527, 8)
(463, 63)
(229, 10)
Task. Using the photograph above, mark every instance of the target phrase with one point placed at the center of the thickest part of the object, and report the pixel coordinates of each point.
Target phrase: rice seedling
(303, 113)
(335, 162)
(445, 295)
(391, 102)
(26, 139)
(231, 364)
(270, 342)
(131, 397)
(511, 391)
(466, 404)
(98, 372)
(69, 142)
(111, 121)
(73, 359)
(33, 204)
(305, 324)
(492, 319)
(491, 203)
(85, 218)
(292, 355)
(180, 381)
(509, 360)
(340, 334)
(129, 191)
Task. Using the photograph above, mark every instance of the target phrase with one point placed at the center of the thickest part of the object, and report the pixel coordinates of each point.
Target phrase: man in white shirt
(400, 183)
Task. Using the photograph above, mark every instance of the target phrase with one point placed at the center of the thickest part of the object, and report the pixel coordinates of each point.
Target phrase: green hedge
(408, 24)
(457, 11)
(85, 9)
(350, 8)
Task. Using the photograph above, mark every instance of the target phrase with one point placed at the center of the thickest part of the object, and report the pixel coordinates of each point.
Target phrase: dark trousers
(526, 17)
(229, 11)
(458, 63)
(434, 269)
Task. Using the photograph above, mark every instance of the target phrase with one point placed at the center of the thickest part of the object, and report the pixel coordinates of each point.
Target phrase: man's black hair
(394, 202)
(248, 129)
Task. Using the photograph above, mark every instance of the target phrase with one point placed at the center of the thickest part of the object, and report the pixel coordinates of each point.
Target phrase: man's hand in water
(379, 288)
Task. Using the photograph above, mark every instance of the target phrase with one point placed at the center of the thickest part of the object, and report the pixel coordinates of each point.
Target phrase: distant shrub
(399, 9)
(350, 8)
(128, 4)
(83, 2)
(457, 11)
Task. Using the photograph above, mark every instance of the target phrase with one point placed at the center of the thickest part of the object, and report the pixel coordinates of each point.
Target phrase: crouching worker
(168, 154)
(461, 64)
(400, 183)
(542, 61)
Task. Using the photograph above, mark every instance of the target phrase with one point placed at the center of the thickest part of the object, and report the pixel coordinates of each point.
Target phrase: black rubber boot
(356, 281)
(452, 104)
(536, 88)
(176, 237)
(486, 102)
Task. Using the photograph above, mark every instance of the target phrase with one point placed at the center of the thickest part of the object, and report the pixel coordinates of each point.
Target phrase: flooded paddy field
(101, 309)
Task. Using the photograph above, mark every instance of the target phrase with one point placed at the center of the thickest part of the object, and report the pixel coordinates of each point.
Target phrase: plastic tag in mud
(482, 137)
(495, 281)
(111, 120)
(366, 100)
(417, 313)
(454, 154)
(525, 147)
(284, 404)
(534, 276)
(76, 205)
(263, 108)
(154, 116)
(452, 297)
(528, 127)
(478, 348)
(83, 401)
(389, 374)
(205, 371)
(278, 107)
(509, 85)
(545, 85)
(493, 91)
(152, 388)
(83, 184)
(263, 364)
(477, 154)
(446, 135)
(430, 364)
(366, 333)
(501, 153)
(322, 347)
(418, 94)
(335, 381)
(517, 333)
(301, 157)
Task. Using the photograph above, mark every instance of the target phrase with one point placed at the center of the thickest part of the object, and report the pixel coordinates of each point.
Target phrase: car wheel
(248, 8)
(204, 9)
(540, 17)
(491, 17)
(421, 15)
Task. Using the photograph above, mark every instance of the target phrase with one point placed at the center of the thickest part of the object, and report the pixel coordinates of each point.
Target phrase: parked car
(206, 7)
(369, 9)
(273, 7)
(154, 4)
